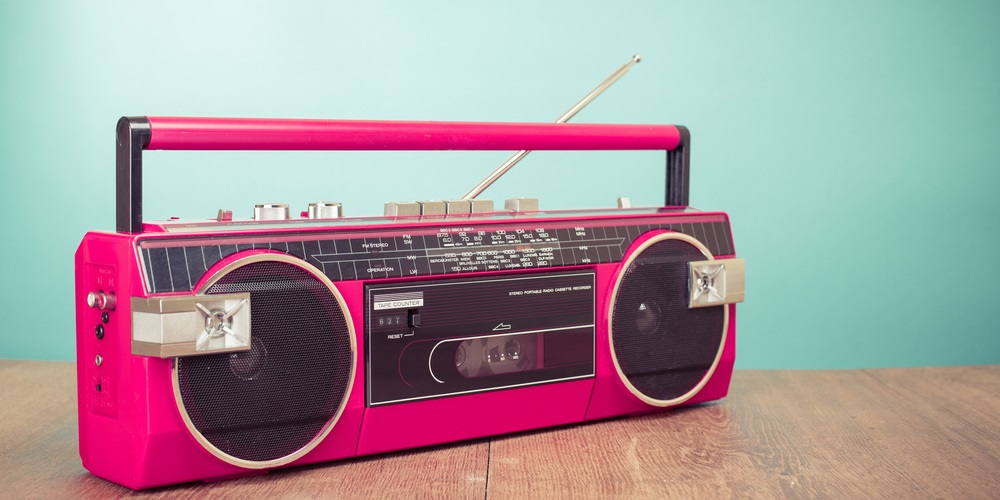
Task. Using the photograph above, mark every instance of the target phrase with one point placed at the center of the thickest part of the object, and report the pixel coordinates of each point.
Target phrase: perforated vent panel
(275, 399)
(664, 348)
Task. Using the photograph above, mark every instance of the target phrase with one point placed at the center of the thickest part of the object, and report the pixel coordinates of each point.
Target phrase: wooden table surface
(908, 432)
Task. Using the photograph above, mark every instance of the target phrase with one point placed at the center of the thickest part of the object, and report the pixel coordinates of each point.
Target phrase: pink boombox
(223, 347)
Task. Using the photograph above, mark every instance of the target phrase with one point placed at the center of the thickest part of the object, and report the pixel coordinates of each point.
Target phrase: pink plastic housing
(132, 433)
(131, 429)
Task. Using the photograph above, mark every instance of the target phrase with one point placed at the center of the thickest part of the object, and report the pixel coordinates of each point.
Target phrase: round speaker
(664, 351)
(275, 402)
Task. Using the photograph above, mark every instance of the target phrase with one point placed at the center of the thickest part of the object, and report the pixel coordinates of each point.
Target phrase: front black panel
(664, 348)
(447, 337)
(271, 401)
(412, 252)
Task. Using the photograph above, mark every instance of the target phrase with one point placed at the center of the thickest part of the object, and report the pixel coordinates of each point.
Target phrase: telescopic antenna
(507, 165)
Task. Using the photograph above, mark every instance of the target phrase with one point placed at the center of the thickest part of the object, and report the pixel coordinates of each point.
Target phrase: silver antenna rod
(505, 166)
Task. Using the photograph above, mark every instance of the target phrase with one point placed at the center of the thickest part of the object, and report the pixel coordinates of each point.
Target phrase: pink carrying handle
(138, 133)
(286, 134)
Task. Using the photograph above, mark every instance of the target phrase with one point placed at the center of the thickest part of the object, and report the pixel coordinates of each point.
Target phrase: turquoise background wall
(853, 143)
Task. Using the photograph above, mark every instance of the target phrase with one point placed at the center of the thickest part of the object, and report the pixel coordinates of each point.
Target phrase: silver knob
(270, 211)
(325, 210)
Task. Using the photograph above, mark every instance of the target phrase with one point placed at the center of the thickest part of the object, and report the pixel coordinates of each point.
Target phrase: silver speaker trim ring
(264, 464)
(611, 313)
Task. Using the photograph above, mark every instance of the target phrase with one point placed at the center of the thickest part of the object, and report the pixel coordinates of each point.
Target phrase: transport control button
(482, 206)
(432, 208)
(521, 204)
(402, 208)
(458, 207)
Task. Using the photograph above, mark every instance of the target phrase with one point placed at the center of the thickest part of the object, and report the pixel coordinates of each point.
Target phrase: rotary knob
(325, 210)
(270, 211)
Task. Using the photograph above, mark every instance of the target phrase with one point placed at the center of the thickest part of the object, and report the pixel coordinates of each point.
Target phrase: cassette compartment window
(450, 337)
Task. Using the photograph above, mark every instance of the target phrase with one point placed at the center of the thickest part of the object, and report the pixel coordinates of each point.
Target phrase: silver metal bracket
(716, 282)
(166, 327)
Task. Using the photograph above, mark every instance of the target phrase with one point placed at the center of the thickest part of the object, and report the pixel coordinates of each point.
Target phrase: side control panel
(99, 331)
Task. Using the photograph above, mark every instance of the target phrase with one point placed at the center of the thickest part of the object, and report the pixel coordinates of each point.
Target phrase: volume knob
(325, 210)
(270, 211)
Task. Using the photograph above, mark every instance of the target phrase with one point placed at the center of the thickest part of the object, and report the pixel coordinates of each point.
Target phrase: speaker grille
(277, 398)
(664, 348)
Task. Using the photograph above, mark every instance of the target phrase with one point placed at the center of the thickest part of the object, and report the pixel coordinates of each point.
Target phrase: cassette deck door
(440, 338)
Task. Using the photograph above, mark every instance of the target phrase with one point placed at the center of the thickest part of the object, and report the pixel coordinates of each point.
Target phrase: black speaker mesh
(273, 400)
(663, 347)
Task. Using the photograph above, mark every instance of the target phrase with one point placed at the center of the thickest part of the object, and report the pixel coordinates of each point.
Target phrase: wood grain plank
(915, 432)
(779, 434)
(684, 456)
(39, 457)
(856, 437)
(38, 441)
(964, 401)
(455, 471)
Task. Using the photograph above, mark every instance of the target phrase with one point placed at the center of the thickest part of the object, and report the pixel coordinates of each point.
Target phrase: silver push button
(521, 204)
(433, 208)
(402, 209)
(458, 207)
(482, 206)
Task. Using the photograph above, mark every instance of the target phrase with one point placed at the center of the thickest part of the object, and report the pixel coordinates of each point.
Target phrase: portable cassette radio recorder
(223, 347)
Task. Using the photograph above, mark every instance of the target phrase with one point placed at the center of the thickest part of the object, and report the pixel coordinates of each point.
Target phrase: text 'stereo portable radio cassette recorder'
(223, 347)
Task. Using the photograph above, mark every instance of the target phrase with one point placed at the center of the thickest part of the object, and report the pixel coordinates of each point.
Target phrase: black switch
(413, 318)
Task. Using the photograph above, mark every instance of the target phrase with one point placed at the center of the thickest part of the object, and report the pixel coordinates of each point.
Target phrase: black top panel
(173, 265)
